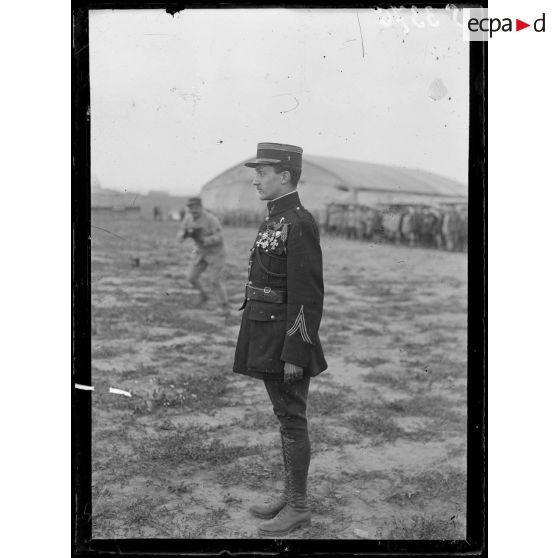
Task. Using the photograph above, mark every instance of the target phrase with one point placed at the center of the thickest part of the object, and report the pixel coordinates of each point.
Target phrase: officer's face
(270, 185)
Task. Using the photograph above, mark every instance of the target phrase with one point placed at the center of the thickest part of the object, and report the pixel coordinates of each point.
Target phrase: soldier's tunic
(284, 295)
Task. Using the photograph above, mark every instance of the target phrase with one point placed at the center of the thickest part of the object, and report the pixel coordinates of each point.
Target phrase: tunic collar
(283, 203)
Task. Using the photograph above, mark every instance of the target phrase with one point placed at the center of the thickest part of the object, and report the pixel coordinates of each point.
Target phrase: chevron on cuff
(300, 325)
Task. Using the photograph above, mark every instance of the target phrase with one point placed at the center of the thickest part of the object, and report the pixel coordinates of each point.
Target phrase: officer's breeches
(289, 406)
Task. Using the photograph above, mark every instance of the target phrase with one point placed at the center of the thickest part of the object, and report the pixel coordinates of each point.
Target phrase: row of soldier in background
(443, 227)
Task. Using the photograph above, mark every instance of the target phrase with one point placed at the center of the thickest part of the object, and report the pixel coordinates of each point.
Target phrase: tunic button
(272, 317)
(248, 298)
(297, 207)
(249, 282)
(267, 218)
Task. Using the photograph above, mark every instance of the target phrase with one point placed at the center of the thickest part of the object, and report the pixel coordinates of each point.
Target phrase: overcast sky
(177, 100)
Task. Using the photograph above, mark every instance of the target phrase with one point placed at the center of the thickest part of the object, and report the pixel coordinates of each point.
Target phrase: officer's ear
(285, 177)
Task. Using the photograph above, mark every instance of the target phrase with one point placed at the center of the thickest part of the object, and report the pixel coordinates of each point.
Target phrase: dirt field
(196, 443)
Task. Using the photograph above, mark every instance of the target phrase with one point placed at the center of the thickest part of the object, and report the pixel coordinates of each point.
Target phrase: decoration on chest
(274, 237)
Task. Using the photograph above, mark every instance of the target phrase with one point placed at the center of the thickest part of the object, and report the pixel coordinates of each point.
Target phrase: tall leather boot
(272, 508)
(297, 511)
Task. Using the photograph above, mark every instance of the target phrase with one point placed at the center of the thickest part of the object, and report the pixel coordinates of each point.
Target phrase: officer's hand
(292, 373)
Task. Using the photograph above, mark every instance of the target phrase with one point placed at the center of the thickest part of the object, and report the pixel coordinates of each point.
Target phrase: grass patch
(431, 406)
(140, 372)
(103, 517)
(327, 402)
(195, 526)
(335, 339)
(322, 435)
(181, 488)
(256, 419)
(420, 527)
(447, 485)
(402, 381)
(107, 329)
(254, 473)
(383, 428)
(191, 446)
(158, 310)
(140, 511)
(416, 349)
(106, 351)
(200, 392)
(369, 332)
(172, 348)
(329, 501)
(367, 362)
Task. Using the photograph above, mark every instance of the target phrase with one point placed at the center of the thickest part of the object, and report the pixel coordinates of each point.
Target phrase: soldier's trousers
(289, 405)
(211, 266)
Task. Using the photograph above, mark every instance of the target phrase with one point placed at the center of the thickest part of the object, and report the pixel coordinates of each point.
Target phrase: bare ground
(196, 444)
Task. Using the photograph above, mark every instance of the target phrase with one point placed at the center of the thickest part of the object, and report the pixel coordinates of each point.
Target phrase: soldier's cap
(277, 154)
(194, 200)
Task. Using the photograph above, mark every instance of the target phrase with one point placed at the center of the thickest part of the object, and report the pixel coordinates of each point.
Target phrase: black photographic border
(82, 543)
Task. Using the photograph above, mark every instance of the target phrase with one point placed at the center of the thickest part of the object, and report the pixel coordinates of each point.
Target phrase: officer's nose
(256, 181)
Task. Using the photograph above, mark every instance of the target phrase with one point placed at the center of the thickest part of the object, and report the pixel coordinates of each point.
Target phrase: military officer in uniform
(278, 340)
(209, 253)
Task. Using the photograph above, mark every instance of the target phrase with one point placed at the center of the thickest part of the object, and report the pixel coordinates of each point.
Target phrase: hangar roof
(374, 176)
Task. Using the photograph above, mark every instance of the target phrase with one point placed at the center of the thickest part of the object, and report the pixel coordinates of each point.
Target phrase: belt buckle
(267, 290)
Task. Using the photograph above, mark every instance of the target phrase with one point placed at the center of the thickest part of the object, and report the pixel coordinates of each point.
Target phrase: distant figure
(205, 230)
(451, 226)
(391, 221)
(409, 225)
(157, 215)
(428, 228)
(182, 214)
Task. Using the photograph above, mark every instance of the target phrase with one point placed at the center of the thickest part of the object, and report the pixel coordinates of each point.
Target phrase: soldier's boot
(272, 508)
(297, 511)
(269, 510)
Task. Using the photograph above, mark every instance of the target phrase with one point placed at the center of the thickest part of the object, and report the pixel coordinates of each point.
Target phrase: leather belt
(267, 294)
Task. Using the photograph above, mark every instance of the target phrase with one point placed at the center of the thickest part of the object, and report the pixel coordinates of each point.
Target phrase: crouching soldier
(209, 252)
(278, 340)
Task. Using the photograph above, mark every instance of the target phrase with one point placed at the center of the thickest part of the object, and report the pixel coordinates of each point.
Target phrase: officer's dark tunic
(284, 295)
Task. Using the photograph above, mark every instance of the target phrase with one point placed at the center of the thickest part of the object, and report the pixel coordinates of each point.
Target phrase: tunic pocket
(267, 336)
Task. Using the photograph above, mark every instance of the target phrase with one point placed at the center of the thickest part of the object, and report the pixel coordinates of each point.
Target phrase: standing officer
(209, 254)
(278, 340)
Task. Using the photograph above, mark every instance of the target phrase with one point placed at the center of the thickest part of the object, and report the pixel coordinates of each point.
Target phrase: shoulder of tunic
(210, 218)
